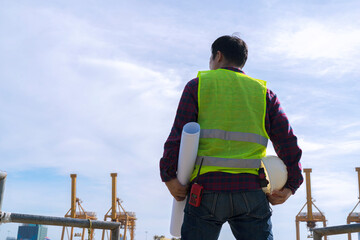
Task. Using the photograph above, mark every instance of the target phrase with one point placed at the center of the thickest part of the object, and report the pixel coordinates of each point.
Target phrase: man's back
(236, 118)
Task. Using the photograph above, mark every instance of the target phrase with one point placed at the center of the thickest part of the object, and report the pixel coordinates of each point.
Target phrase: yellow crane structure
(117, 213)
(354, 216)
(77, 211)
(309, 217)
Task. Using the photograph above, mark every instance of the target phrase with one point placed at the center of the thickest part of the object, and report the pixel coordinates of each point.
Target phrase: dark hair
(233, 48)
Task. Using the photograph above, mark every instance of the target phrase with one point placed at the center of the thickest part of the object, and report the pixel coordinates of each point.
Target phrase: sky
(92, 87)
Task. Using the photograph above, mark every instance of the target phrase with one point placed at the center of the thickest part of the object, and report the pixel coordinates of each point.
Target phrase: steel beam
(61, 221)
(341, 229)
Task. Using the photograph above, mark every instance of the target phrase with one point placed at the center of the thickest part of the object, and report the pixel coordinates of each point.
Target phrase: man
(237, 115)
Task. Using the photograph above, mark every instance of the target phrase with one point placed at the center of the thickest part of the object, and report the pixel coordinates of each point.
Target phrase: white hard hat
(276, 173)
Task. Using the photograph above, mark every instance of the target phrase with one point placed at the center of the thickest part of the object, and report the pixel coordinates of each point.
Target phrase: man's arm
(286, 147)
(187, 112)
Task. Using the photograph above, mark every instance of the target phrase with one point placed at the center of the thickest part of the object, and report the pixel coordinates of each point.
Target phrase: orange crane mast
(117, 213)
(77, 211)
(309, 217)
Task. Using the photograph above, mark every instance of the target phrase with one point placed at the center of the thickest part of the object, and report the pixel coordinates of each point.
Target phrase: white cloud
(329, 152)
(311, 39)
(81, 104)
(79, 109)
(349, 126)
(126, 112)
(296, 118)
(321, 46)
(138, 77)
(330, 189)
(307, 146)
(355, 134)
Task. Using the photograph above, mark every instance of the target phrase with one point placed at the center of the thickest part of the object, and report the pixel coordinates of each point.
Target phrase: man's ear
(219, 56)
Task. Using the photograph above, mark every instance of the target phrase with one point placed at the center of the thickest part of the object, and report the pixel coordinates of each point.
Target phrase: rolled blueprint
(187, 155)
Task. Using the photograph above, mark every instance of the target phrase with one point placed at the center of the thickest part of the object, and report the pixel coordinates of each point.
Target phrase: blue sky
(91, 87)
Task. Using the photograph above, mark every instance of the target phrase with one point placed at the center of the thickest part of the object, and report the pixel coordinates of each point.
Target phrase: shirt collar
(235, 69)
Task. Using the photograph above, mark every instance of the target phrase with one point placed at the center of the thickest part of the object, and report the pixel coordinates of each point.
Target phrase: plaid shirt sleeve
(187, 112)
(283, 140)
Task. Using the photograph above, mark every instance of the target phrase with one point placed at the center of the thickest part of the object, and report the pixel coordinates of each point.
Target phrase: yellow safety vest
(232, 108)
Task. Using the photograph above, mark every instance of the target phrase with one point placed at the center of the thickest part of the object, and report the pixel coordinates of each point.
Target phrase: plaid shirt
(276, 124)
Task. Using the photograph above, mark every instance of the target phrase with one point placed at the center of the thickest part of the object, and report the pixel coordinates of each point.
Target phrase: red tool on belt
(196, 190)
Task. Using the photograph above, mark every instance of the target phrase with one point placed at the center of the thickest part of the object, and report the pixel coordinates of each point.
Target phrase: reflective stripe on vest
(233, 136)
(232, 108)
(228, 162)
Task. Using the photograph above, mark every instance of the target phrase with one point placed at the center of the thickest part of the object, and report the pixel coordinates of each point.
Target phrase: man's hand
(279, 196)
(178, 191)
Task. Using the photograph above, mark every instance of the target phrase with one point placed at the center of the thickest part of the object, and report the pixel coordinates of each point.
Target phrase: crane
(309, 217)
(117, 213)
(77, 211)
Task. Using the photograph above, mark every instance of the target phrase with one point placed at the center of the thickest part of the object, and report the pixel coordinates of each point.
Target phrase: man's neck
(228, 65)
